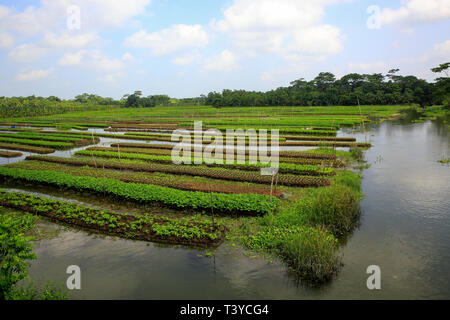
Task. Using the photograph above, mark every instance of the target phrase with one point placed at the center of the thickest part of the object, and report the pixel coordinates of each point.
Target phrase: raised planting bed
(47, 137)
(325, 143)
(160, 179)
(26, 148)
(287, 154)
(202, 171)
(167, 152)
(144, 126)
(299, 131)
(324, 138)
(193, 231)
(7, 154)
(247, 204)
(283, 167)
(49, 144)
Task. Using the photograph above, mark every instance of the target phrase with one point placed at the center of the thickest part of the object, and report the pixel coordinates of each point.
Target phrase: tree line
(351, 89)
(39, 106)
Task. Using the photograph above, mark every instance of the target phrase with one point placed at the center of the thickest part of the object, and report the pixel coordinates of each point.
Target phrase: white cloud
(26, 53)
(417, 12)
(186, 59)
(170, 40)
(106, 13)
(95, 14)
(72, 59)
(442, 49)
(94, 60)
(112, 77)
(67, 40)
(290, 28)
(440, 53)
(225, 61)
(99, 61)
(368, 67)
(6, 40)
(34, 75)
(266, 76)
(127, 57)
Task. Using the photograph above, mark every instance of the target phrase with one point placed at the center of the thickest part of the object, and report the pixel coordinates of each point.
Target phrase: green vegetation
(167, 152)
(223, 203)
(312, 253)
(305, 230)
(15, 252)
(53, 145)
(190, 183)
(19, 147)
(202, 171)
(38, 106)
(283, 167)
(193, 230)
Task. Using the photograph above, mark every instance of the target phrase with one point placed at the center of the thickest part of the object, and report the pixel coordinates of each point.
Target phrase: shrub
(15, 250)
(312, 253)
(335, 207)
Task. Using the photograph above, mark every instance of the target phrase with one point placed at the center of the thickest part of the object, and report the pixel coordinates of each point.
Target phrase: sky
(186, 48)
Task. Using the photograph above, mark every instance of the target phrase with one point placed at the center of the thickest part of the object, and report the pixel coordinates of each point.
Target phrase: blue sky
(187, 48)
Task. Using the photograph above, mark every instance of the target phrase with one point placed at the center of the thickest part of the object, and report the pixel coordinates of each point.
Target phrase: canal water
(405, 230)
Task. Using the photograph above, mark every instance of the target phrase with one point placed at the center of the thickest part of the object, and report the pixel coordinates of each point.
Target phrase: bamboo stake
(271, 187)
(103, 171)
(212, 209)
(362, 121)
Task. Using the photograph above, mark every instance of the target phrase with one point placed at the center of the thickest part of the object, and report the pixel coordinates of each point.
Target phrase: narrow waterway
(404, 230)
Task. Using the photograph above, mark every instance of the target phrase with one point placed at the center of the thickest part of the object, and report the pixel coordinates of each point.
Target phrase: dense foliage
(15, 251)
(326, 90)
(145, 227)
(39, 106)
(136, 101)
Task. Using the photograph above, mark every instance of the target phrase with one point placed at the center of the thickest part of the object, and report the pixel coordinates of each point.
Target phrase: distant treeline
(326, 90)
(136, 100)
(39, 106)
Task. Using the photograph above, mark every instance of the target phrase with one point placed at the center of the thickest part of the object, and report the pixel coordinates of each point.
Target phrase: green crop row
(188, 230)
(167, 152)
(201, 171)
(19, 147)
(45, 137)
(283, 130)
(219, 202)
(54, 145)
(283, 167)
(160, 179)
(286, 154)
(325, 144)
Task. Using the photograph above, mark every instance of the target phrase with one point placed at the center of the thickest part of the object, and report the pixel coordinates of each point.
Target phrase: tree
(15, 250)
(441, 90)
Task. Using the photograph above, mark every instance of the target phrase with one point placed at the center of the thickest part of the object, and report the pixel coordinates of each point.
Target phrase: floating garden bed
(193, 231)
(215, 173)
